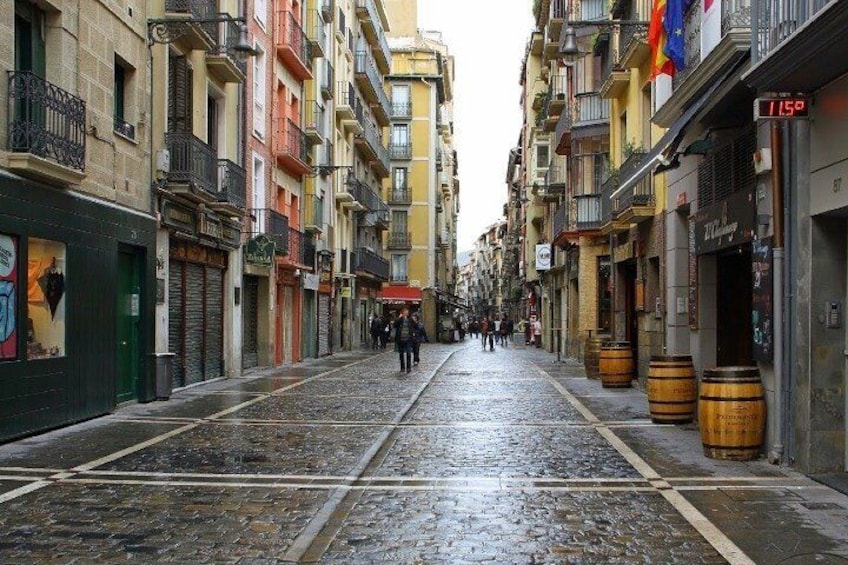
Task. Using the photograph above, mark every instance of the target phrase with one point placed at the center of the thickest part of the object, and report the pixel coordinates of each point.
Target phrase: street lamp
(168, 30)
(568, 45)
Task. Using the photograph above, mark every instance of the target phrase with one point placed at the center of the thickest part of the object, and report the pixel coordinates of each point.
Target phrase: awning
(400, 295)
(674, 135)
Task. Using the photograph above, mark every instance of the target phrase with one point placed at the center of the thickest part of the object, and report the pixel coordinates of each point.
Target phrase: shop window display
(45, 325)
(8, 297)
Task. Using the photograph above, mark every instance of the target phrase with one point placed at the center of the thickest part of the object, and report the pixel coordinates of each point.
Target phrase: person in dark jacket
(376, 329)
(417, 338)
(405, 329)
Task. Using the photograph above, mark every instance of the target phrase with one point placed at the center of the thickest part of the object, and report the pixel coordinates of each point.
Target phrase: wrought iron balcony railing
(292, 36)
(375, 141)
(400, 150)
(123, 128)
(291, 140)
(193, 162)
(369, 198)
(317, 34)
(197, 9)
(327, 79)
(272, 224)
(609, 209)
(400, 196)
(233, 184)
(778, 19)
(370, 262)
(561, 223)
(588, 10)
(45, 120)
(314, 119)
(301, 248)
(365, 66)
(401, 110)
(399, 240)
(313, 211)
(374, 30)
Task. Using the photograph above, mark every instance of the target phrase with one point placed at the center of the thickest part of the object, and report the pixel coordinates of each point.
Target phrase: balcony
(301, 251)
(317, 34)
(328, 8)
(272, 224)
(811, 34)
(400, 151)
(370, 83)
(293, 46)
(194, 167)
(349, 193)
(372, 28)
(557, 94)
(633, 45)
(232, 188)
(291, 147)
(313, 214)
(734, 45)
(616, 75)
(221, 59)
(562, 132)
(610, 222)
(400, 196)
(46, 132)
(399, 240)
(198, 36)
(402, 110)
(348, 109)
(377, 214)
(556, 17)
(372, 264)
(327, 76)
(591, 110)
(561, 224)
(123, 128)
(370, 145)
(313, 122)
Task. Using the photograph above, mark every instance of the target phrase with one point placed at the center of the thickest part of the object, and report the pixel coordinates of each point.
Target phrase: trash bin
(164, 375)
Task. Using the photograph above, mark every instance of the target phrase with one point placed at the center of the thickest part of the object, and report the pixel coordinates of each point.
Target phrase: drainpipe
(775, 456)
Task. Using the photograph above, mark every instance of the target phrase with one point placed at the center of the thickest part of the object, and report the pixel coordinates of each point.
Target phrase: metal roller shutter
(250, 332)
(323, 324)
(214, 335)
(175, 319)
(194, 319)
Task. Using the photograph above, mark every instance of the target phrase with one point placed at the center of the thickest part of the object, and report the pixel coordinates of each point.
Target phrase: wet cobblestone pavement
(504, 457)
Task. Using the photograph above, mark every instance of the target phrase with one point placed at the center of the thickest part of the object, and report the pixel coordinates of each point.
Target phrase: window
(400, 135)
(8, 297)
(259, 194)
(120, 93)
(399, 268)
(401, 101)
(259, 93)
(45, 325)
(260, 11)
(543, 156)
(399, 178)
(399, 221)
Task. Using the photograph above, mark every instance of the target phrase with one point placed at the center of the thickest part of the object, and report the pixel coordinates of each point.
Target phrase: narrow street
(474, 457)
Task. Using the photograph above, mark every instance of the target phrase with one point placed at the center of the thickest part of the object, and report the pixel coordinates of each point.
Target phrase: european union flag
(674, 49)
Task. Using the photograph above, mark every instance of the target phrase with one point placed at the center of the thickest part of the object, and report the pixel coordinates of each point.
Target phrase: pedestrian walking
(497, 332)
(384, 336)
(417, 337)
(537, 333)
(488, 332)
(376, 329)
(404, 330)
(503, 331)
(510, 328)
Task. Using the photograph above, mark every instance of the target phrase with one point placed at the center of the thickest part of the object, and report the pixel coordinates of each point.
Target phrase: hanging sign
(543, 257)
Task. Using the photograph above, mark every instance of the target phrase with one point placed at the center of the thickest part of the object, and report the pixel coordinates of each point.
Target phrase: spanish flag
(657, 40)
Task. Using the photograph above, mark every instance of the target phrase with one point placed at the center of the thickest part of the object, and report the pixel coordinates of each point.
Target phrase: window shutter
(180, 77)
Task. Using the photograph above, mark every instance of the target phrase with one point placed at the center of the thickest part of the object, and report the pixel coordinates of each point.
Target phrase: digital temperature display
(782, 108)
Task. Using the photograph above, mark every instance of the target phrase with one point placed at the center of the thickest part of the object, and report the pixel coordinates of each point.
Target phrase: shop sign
(176, 216)
(231, 234)
(210, 226)
(543, 257)
(345, 293)
(259, 251)
(727, 224)
(310, 281)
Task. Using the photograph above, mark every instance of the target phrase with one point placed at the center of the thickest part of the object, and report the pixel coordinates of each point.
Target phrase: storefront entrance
(250, 323)
(129, 314)
(734, 329)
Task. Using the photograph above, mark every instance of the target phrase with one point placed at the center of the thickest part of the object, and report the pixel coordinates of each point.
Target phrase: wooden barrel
(672, 389)
(616, 364)
(732, 413)
(592, 356)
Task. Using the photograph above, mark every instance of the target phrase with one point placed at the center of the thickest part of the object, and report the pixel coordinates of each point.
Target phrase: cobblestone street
(474, 457)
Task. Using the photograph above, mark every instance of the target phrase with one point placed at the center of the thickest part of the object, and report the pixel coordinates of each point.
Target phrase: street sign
(782, 108)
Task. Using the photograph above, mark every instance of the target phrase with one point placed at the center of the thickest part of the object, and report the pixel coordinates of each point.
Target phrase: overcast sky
(487, 40)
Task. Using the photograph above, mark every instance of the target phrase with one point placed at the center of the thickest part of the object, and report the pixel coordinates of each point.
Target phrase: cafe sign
(178, 217)
(726, 224)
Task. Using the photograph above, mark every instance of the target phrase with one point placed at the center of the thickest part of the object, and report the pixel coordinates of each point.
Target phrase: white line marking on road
(707, 529)
(20, 491)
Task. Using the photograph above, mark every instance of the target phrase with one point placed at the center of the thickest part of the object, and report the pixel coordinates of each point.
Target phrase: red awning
(400, 295)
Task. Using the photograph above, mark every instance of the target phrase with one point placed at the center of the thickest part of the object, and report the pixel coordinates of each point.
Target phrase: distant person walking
(418, 336)
(376, 330)
(497, 324)
(488, 331)
(504, 331)
(404, 335)
(537, 333)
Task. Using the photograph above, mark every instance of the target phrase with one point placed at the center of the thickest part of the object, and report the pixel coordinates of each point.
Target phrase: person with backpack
(405, 329)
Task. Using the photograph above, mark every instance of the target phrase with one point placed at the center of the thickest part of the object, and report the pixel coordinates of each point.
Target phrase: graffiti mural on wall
(8, 302)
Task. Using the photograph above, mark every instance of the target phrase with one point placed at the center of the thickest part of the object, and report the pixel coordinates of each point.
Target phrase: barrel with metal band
(732, 413)
(616, 364)
(672, 389)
